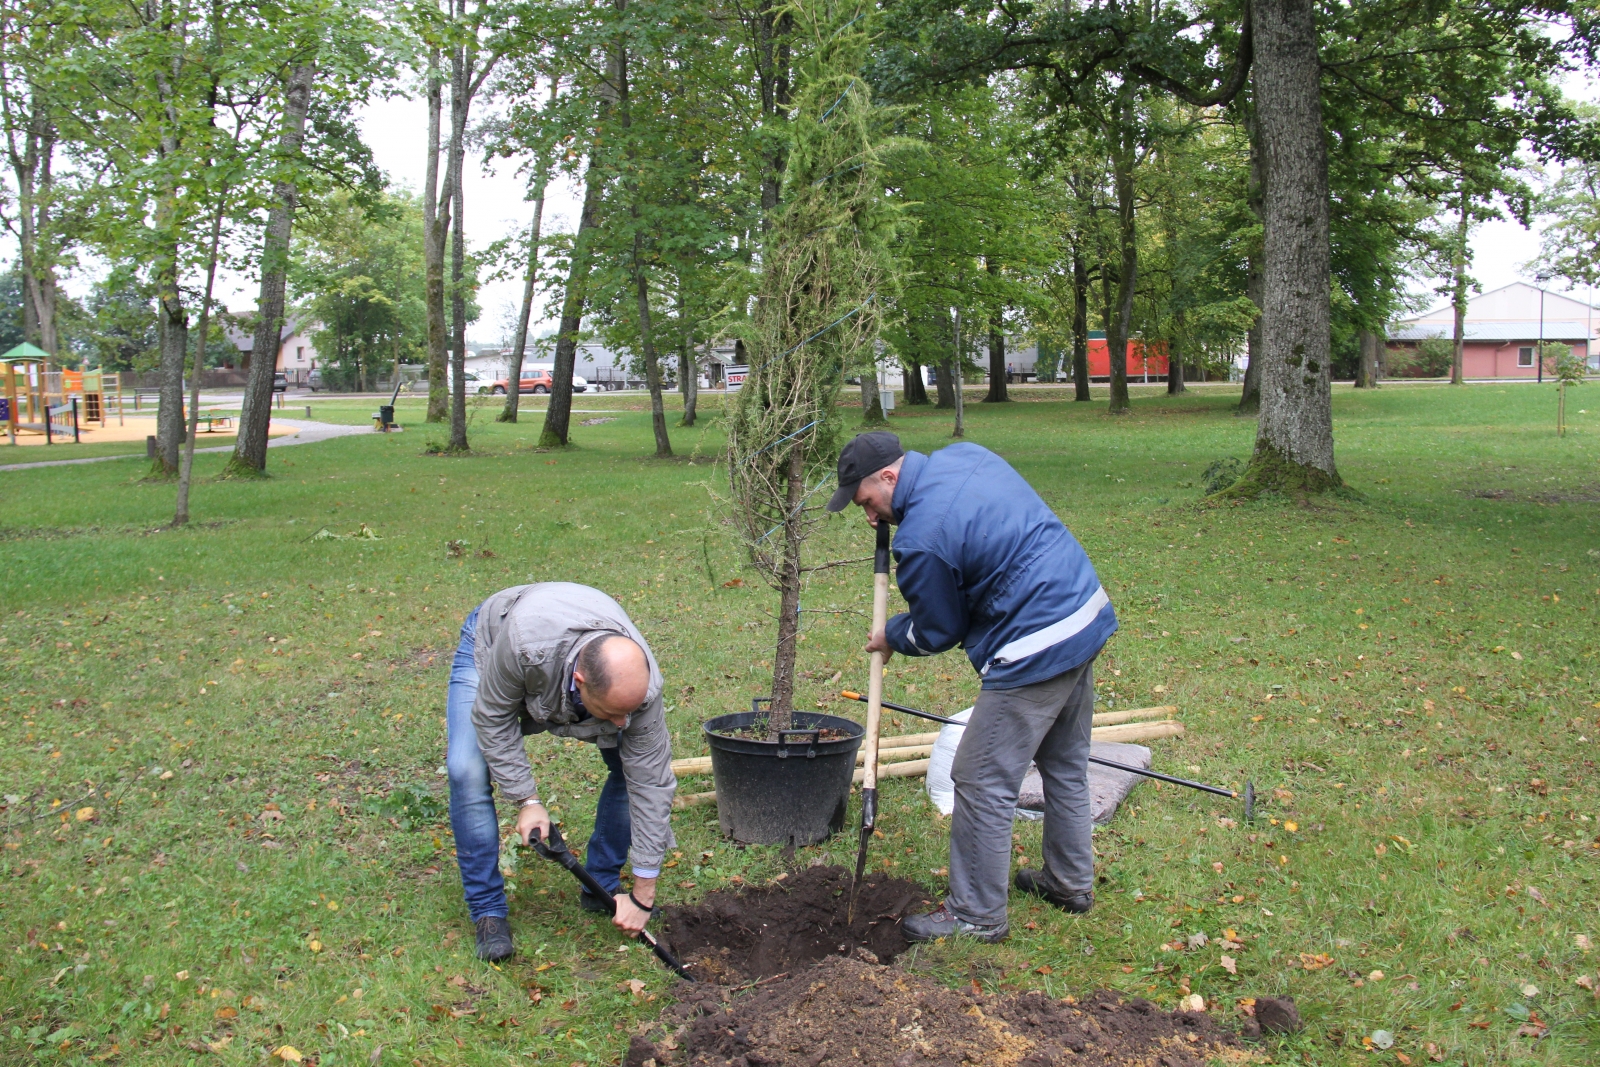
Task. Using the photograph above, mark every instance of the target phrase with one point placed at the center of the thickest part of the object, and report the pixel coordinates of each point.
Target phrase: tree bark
(871, 399)
(558, 414)
(769, 28)
(520, 345)
(1458, 295)
(1119, 321)
(1250, 396)
(180, 512)
(1367, 365)
(1175, 383)
(652, 363)
(997, 367)
(463, 58)
(435, 228)
(174, 353)
(997, 346)
(944, 386)
(916, 390)
(688, 363)
(249, 457)
(1294, 438)
(32, 165)
(781, 715)
(1080, 327)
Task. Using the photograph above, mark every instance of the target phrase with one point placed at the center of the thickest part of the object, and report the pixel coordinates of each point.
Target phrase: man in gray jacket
(564, 659)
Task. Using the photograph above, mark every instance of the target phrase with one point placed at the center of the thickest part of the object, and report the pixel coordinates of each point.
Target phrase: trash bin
(386, 415)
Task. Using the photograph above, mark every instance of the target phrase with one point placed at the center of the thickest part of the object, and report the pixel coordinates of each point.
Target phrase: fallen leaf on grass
(85, 814)
(1583, 943)
(543, 967)
(1044, 969)
(288, 1054)
(1230, 964)
(226, 1012)
(1317, 962)
(1479, 1024)
(1402, 1057)
(1381, 1039)
(568, 1005)
(1457, 1005)
(1435, 1053)
(1585, 982)
(633, 986)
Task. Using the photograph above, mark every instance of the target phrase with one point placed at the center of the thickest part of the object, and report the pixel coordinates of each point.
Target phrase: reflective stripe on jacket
(985, 564)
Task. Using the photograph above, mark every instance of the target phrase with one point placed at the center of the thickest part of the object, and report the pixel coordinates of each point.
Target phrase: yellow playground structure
(51, 403)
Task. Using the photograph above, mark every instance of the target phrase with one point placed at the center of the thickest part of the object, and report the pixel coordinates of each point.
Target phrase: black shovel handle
(556, 849)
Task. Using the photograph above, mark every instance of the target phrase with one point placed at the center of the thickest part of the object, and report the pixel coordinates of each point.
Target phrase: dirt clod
(734, 937)
(845, 1011)
(1277, 1015)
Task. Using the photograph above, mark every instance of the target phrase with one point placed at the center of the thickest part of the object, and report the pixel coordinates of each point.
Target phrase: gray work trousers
(1048, 723)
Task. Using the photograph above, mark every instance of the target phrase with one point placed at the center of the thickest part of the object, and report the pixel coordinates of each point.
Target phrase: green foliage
(1220, 474)
(357, 272)
(1561, 364)
(413, 807)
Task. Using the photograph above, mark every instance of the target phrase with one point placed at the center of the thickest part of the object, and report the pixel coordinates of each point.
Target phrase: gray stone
(1107, 788)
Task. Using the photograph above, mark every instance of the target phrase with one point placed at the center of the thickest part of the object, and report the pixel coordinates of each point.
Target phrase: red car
(536, 381)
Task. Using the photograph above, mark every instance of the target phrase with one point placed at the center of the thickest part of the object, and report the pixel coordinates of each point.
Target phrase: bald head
(613, 677)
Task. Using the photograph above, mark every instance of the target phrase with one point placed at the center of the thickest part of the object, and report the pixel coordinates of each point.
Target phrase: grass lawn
(221, 747)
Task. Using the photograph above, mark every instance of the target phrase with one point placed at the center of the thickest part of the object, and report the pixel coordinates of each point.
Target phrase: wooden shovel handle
(880, 616)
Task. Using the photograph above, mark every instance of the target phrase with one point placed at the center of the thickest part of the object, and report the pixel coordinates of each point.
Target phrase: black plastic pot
(792, 791)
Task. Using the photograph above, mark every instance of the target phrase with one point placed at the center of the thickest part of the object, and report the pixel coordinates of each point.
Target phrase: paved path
(305, 434)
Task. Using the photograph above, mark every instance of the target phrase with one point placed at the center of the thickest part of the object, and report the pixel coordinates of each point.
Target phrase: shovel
(869, 777)
(554, 848)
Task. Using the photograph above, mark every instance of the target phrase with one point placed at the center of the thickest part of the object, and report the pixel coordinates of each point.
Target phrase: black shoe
(1075, 902)
(941, 922)
(494, 938)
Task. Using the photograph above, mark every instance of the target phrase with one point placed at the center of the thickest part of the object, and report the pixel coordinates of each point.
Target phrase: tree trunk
(33, 169)
(1175, 384)
(249, 457)
(1080, 327)
(1119, 322)
(1294, 439)
(462, 60)
(652, 364)
(558, 414)
(997, 345)
(943, 386)
(1367, 365)
(1250, 396)
(435, 228)
(520, 345)
(871, 399)
(781, 715)
(997, 367)
(180, 512)
(770, 28)
(174, 354)
(1458, 295)
(688, 362)
(916, 390)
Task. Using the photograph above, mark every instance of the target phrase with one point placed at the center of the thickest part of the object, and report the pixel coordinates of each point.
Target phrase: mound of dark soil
(844, 1011)
(757, 932)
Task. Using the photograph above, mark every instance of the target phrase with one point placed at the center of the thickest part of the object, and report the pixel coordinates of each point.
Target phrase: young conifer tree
(825, 267)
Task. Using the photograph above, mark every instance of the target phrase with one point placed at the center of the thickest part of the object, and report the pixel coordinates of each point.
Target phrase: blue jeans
(472, 813)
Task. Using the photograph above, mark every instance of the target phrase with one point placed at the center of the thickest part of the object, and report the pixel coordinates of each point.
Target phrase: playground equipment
(53, 403)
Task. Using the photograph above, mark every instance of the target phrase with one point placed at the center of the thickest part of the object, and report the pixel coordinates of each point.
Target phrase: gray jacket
(528, 639)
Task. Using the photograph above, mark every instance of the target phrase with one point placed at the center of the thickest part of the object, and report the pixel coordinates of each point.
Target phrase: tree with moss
(825, 266)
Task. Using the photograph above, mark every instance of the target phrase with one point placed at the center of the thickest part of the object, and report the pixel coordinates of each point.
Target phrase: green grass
(1358, 660)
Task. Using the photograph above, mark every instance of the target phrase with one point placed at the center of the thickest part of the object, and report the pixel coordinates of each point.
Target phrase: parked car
(537, 381)
(280, 382)
(314, 379)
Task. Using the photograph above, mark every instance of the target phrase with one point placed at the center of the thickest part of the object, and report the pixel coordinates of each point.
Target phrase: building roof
(1490, 331)
(245, 339)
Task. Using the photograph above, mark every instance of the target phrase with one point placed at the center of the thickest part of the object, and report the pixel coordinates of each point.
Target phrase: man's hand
(879, 642)
(630, 918)
(531, 818)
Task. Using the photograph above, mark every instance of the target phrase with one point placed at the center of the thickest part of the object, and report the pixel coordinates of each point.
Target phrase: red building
(1143, 361)
(1502, 330)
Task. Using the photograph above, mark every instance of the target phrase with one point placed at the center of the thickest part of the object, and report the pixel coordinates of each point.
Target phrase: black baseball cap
(866, 454)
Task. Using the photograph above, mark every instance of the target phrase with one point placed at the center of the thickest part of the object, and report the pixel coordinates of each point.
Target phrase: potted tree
(783, 776)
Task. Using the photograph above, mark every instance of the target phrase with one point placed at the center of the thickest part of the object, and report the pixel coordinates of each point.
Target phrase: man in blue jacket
(984, 563)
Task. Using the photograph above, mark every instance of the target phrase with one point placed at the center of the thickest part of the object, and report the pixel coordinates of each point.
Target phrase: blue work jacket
(984, 563)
